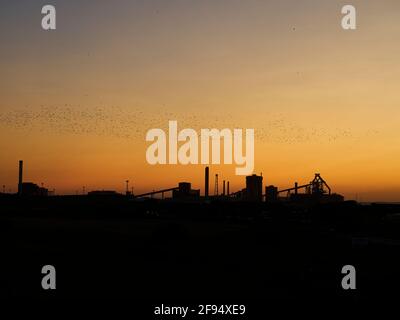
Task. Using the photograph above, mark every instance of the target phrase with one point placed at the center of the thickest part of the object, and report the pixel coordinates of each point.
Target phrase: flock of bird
(133, 123)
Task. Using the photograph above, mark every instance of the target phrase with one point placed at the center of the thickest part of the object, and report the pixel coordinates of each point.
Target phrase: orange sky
(76, 103)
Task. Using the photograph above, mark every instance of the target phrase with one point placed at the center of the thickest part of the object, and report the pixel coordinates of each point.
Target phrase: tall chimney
(223, 188)
(228, 189)
(207, 177)
(21, 169)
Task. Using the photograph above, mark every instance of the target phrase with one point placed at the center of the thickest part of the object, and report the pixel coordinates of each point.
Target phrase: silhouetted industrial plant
(316, 191)
(259, 241)
(29, 188)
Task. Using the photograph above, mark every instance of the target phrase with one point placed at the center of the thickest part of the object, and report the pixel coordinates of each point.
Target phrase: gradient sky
(76, 103)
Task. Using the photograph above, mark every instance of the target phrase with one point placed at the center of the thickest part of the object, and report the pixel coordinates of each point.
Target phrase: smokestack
(21, 169)
(127, 187)
(216, 192)
(295, 187)
(228, 189)
(223, 188)
(207, 177)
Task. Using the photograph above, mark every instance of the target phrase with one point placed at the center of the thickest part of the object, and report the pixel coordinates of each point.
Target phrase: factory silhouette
(316, 191)
(254, 245)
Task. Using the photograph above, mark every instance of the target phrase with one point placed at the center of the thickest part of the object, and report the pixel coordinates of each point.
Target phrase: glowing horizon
(76, 103)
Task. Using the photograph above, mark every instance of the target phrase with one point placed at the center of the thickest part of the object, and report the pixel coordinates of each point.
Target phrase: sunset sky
(76, 103)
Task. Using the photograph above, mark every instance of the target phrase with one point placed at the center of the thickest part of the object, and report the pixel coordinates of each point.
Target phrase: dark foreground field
(197, 253)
